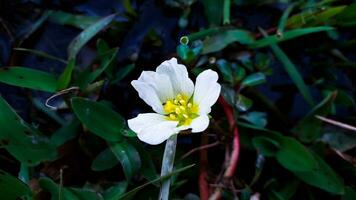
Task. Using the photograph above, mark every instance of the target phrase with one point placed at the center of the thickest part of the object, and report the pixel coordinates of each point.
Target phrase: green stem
(167, 166)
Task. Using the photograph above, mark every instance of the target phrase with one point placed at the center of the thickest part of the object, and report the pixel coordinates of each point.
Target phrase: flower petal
(153, 128)
(200, 123)
(178, 75)
(149, 95)
(160, 83)
(207, 90)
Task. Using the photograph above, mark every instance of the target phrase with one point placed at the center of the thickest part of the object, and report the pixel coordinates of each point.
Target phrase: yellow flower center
(181, 109)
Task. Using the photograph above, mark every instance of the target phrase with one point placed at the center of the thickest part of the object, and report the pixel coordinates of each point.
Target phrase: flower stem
(167, 165)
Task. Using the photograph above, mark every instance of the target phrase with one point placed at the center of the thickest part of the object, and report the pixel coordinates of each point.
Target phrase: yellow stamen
(181, 109)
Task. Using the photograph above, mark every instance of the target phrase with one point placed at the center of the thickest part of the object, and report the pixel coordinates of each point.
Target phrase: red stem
(203, 174)
(231, 168)
(236, 141)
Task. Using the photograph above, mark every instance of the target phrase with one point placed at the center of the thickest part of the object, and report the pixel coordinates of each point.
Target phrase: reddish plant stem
(231, 168)
(236, 141)
(203, 174)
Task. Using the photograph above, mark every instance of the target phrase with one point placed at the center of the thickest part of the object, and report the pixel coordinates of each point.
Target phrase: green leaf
(65, 133)
(28, 78)
(66, 76)
(226, 12)
(128, 157)
(294, 156)
(253, 79)
(225, 37)
(347, 16)
(255, 118)
(148, 169)
(309, 128)
(159, 179)
(123, 72)
(99, 119)
(41, 54)
(243, 103)
(78, 42)
(213, 11)
(284, 190)
(323, 177)
(20, 140)
(79, 21)
(129, 9)
(114, 192)
(87, 77)
(274, 39)
(293, 73)
(339, 140)
(64, 193)
(350, 194)
(225, 69)
(104, 161)
(266, 146)
(284, 18)
(102, 46)
(314, 18)
(11, 187)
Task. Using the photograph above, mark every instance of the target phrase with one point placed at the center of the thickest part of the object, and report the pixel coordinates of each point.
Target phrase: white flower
(177, 103)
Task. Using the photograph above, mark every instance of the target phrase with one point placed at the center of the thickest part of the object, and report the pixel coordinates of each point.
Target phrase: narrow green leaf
(99, 119)
(293, 73)
(66, 132)
(284, 18)
(102, 46)
(86, 77)
(350, 194)
(66, 76)
(123, 72)
(104, 161)
(347, 16)
(28, 78)
(24, 173)
(294, 156)
(274, 39)
(148, 169)
(33, 26)
(20, 140)
(204, 33)
(128, 156)
(129, 9)
(323, 177)
(68, 193)
(11, 187)
(226, 12)
(309, 128)
(114, 192)
(79, 21)
(78, 42)
(213, 11)
(135, 190)
(314, 18)
(41, 54)
(266, 146)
